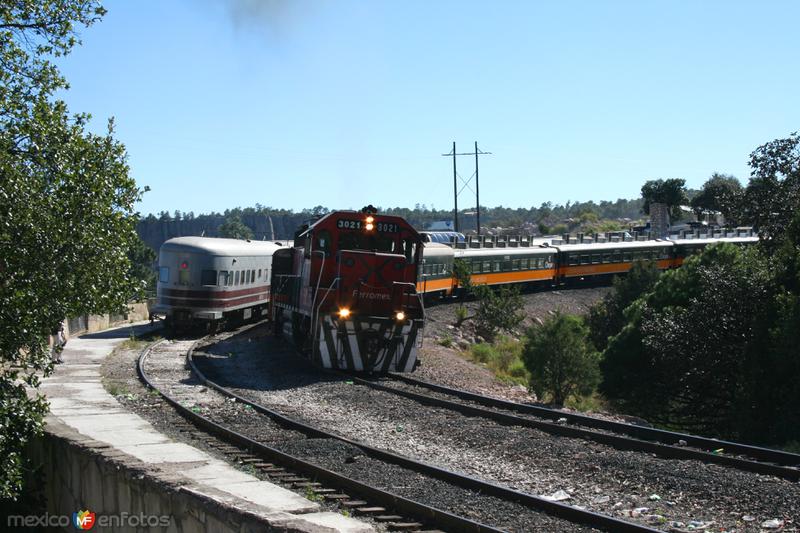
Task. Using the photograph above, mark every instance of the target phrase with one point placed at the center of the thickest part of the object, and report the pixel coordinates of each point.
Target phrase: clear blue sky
(300, 103)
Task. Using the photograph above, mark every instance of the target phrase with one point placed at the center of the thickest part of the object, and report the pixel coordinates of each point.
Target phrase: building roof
(222, 247)
(597, 246)
(504, 250)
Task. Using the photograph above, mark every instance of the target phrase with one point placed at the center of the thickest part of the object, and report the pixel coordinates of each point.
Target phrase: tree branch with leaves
(67, 211)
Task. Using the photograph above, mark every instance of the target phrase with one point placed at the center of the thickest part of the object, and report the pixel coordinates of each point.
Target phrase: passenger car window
(208, 277)
(163, 274)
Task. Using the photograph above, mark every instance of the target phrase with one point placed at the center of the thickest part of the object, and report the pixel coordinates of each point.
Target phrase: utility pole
(456, 192)
(477, 193)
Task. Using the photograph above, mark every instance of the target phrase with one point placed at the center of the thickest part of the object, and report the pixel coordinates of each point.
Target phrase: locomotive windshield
(378, 243)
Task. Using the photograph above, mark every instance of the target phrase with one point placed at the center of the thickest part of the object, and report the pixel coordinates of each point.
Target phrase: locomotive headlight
(370, 219)
(369, 223)
(344, 312)
(400, 316)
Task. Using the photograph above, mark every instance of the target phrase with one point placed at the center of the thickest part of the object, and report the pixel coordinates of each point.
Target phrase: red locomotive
(346, 292)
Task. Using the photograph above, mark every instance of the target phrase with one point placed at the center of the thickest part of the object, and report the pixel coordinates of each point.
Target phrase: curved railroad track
(619, 435)
(478, 502)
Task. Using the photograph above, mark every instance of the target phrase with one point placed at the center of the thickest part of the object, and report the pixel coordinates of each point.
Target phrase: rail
(781, 464)
(388, 499)
(567, 512)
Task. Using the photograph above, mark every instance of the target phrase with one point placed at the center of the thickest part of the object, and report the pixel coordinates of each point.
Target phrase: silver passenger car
(205, 280)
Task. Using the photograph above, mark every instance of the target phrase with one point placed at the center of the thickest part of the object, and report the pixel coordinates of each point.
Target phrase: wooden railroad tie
(388, 517)
(369, 510)
(336, 496)
(354, 503)
(403, 526)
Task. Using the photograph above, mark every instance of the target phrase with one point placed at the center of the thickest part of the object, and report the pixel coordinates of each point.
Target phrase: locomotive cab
(347, 291)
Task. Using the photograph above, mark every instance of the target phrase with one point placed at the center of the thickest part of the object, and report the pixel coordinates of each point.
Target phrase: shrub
(463, 275)
(502, 358)
(498, 309)
(695, 353)
(518, 372)
(461, 315)
(606, 318)
(561, 360)
(482, 352)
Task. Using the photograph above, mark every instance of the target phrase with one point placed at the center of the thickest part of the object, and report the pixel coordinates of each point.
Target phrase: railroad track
(280, 468)
(623, 436)
(359, 496)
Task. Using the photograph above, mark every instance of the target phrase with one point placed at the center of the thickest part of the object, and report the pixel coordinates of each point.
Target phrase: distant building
(659, 220)
(441, 225)
(443, 237)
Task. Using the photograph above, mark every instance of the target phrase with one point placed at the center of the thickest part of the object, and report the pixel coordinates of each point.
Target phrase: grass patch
(792, 446)
(133, 344)
(446, 341)
(503, 358)
(115, 388)
(138, 343)
(595, 402)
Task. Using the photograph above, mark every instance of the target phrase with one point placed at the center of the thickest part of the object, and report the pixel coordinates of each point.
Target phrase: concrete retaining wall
(80, 473)
(136, 312)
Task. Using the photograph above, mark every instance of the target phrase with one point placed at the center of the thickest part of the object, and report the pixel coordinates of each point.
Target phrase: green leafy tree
(463, 276)
(498, 309)
(560, 358)
(234, 228)
(671, 192)
(712, 348)
(142, 260)
(607, 317)
(720, 193)
(691, 353)
(773, 195)
(66, 213)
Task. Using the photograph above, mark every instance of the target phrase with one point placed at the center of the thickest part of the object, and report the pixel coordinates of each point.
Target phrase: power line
(456, 191)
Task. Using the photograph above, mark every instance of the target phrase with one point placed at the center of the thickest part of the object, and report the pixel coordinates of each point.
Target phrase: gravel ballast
(669, 494)
(167, 369)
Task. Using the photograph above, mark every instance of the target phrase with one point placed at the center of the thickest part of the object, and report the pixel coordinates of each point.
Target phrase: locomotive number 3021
(348, 224)
(383, 227)
(388, 227)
